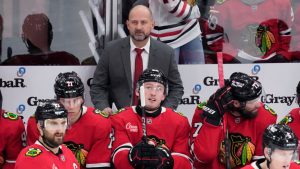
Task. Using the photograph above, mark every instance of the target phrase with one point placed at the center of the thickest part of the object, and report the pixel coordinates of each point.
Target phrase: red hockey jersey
(12, 138)
(245, 136)
(37, 156)
(168, 128)
(88, 138)
(253, 30)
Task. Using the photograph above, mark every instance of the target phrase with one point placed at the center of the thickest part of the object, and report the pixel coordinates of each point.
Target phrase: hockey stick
(93, 44)
(143, 103)
(221, 84)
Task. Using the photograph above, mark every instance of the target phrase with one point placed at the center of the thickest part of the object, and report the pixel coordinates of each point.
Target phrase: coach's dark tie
(137, 72)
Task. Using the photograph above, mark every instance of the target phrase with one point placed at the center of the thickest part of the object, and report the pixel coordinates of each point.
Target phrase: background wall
(23, 86)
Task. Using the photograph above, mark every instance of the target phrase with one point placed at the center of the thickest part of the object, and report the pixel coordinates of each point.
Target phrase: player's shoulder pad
(270, 110)
(119, 111)
(102, 113)
(10, 115)
(201, 105)
(33, 152)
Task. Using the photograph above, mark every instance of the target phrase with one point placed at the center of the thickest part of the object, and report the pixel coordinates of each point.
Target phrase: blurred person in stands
(12, 137)
(151, 135)
(49, 151)
(88, 134)
(257, 31)
(234, 109)
(37, 35)
(279, 146)
(123, 60)
(176, 24)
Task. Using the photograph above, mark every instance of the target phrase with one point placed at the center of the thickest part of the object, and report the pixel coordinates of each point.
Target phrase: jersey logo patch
(79, 152)
(241, 150)
(33, 152)
(269, 109)
(201, 105)
(119, 111)
(10, 116)
(286, 120)
(102, 113)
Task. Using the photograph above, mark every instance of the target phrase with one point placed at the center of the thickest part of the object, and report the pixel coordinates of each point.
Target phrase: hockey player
(292, 119)
(88, 134)
(262, 35)
(164, 143)
(48, 151)
(12, 137)
(237, 109)
(37, 34)
(279, 145)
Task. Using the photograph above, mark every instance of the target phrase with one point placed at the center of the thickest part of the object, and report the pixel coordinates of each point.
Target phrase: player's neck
(54, 150)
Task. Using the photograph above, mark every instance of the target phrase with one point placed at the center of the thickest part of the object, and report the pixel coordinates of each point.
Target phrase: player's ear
(267, 153)
(39, 128)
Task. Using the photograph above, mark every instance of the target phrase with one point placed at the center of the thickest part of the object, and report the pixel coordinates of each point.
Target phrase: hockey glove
(143, 155)
(214, 110)
(166, 160)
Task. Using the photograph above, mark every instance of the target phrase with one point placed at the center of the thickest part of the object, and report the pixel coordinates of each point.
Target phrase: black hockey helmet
(50, 109)
(152, 75)
(244, 87)
(68, 85)
(280, 136)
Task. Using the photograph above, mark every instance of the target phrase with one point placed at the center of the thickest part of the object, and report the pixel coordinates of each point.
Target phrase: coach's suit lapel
(152, 55)
(125, 55)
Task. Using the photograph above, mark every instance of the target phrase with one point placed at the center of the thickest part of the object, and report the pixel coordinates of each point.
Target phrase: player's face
(154, 95)
(281, 159)
(54, 130)
(251, 107)
(140, 24)
(73, 106)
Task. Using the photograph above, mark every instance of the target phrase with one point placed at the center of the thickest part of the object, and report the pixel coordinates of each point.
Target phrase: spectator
(89, 130)
(12, 137)
(37, 36)
(279, 144)
(116, 75)
(236, 108)
(165, 140)
(176, 24)
(48, 151)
